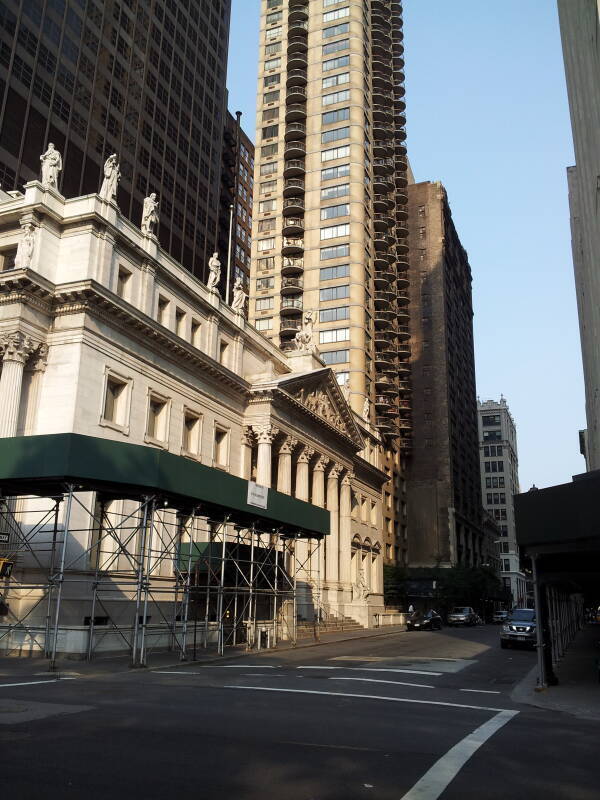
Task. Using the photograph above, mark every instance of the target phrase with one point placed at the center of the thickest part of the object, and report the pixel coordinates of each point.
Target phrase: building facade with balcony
(329, 228)
(499, 485)
(443, 494)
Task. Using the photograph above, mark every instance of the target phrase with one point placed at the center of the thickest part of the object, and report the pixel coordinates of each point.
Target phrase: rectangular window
(336, 63)
(162, 314)
(337, 251)
(332, 212)
(269, 168)
(335, 80)
(273, 33)
(336, 97)
(335, 152)
(266, 187)
(275, 16)
(334, 314)
(335, 47)
(334, 231)
(180, 322)
(490, 419)
(341, 171)
(269, 261)
(266, 225)
(190, 443)
(335, 135)
(266, 244)
(329, 117)
(270, 114)
(334, 293)
(224, 351)
(264, 303)
(196, 333)
(123, 280)
(334, 335)
(339, 190)
(271, 50)
(114, 409)
(271, 80)
(269, 150)
(271, 97)
(221, 448)
(335, 356)
(270, 131)
(336, 30)
(339, 13)
(265, 324)
(158, 411)
(273, 63)
(331, 273)
(265, 283)
(267, 205)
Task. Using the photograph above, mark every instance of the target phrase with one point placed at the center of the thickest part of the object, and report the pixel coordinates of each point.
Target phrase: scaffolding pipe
(221, 644)
(61, 575)
(50, 586)
(149, 550)
(140, 575)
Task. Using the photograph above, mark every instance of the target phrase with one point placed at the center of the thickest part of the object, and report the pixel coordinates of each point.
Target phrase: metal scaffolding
(97, 571)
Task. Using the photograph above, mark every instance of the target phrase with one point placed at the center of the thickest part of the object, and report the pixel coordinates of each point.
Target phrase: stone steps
(337, 625)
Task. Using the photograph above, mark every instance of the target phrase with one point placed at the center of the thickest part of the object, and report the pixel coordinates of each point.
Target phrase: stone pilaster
(345, 537)
(333, 540)
(16, 349)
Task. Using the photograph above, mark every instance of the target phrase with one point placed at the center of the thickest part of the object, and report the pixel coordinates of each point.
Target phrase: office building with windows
(444, 499)
(140, 79)
(329, 238)
(235, 218)
(499, 485)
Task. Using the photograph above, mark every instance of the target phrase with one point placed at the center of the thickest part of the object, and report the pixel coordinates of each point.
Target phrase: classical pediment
(319, 394)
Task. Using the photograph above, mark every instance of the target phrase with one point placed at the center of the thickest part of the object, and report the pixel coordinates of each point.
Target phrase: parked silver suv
(519, 627)
(462, 615)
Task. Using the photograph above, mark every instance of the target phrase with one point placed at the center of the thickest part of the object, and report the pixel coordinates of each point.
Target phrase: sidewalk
(578, 691)
(16, 668)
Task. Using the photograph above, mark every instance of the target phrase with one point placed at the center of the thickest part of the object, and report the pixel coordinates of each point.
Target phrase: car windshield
(461, 610)
(523, 615)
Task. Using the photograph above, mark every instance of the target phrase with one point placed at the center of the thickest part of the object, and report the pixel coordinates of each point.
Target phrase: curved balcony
(403, 368)
(294, 131)
(379, 8)
(297, 13)
(382, 339)
(298, 28)
(291, 246)
(401, 198)
(294, 167)
(295, 112)
(403, 350)
(290, 305)
(292, 206)
(382, 129)
(291, 285)
(383, 321)
(402, 315)
(381, 242)
(384, 424)
(384, 276)
(381, 359)
(297, 61)
(383, 298)
(383, 166)
(293, 187)
(399, 103)
(382, 79)
(289, 325)
(296, 77)
(403, 332)
(383, 148)
(382, 222)
(382, 202)
(382, 382)
(382, 114)
(292, 226)
(296, 94)
(382, 32)
(403, 297)
(403, 282)
(401, 229)
(381, 403)
(382, 185)
(295, 149)
(291, 266)
(297, 44)
(404, 387)
(382, 98)
(401, 248)
(297, 4)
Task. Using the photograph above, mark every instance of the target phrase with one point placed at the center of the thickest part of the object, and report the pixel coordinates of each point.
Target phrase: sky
(487, 115)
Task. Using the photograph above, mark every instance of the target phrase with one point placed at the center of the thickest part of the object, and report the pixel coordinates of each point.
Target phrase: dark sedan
(424, 621)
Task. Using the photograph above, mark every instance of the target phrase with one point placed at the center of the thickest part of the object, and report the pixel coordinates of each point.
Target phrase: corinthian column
(264, 436)
(246, 452)
(16, 347)
(284, 465)
(317, 560)
(333, 540)
(346, 528)
(302, 484)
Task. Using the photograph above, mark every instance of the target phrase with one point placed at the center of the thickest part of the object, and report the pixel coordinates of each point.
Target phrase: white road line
(209, 666)
(394, 683)
(35, 683)
(367, 697)
(379, 669)
(436, 780)
(481, 691)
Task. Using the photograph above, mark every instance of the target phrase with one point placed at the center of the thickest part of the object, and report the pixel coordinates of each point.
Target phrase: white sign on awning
(4, 537)
(257, 495)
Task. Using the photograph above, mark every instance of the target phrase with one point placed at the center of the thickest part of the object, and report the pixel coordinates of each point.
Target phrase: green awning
(44, 464)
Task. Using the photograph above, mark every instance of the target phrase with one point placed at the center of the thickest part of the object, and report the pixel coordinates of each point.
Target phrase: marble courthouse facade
(103, 334)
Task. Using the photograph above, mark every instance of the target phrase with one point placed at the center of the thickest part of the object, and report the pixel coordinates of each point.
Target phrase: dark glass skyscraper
(141, 78)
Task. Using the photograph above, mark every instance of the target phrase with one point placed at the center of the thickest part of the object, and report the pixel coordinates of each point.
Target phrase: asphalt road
(411, 716)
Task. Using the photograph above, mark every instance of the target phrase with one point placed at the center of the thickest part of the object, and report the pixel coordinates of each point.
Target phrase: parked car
(462, 615)
(424, 621)
(519, 628)
(500, 616)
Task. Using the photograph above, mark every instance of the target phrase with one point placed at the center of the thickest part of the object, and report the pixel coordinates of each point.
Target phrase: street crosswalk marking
(394, 683)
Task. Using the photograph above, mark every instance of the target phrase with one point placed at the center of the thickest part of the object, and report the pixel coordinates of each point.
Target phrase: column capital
(288, 445)
(16, 346)
(265, 433)
(347, 479)
(335, 471)
(247, 435)
(39, 358)
(321, 464)
(306, 454)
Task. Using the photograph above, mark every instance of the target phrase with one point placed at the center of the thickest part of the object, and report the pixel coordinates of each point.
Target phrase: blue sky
(487, 115)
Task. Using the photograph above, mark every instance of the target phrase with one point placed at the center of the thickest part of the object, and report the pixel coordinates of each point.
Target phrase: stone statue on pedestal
(214, 273)
(239, 296)
(51, 167)
(304, 337)
(149, 215)
(366, 410)
(112, 174)
(25, 248)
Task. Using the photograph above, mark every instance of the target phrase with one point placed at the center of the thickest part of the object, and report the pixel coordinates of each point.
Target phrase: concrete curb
(524, 694)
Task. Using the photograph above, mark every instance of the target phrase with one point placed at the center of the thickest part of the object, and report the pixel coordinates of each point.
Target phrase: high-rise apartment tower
(142, 79)
(499, 485)
(330, 234)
